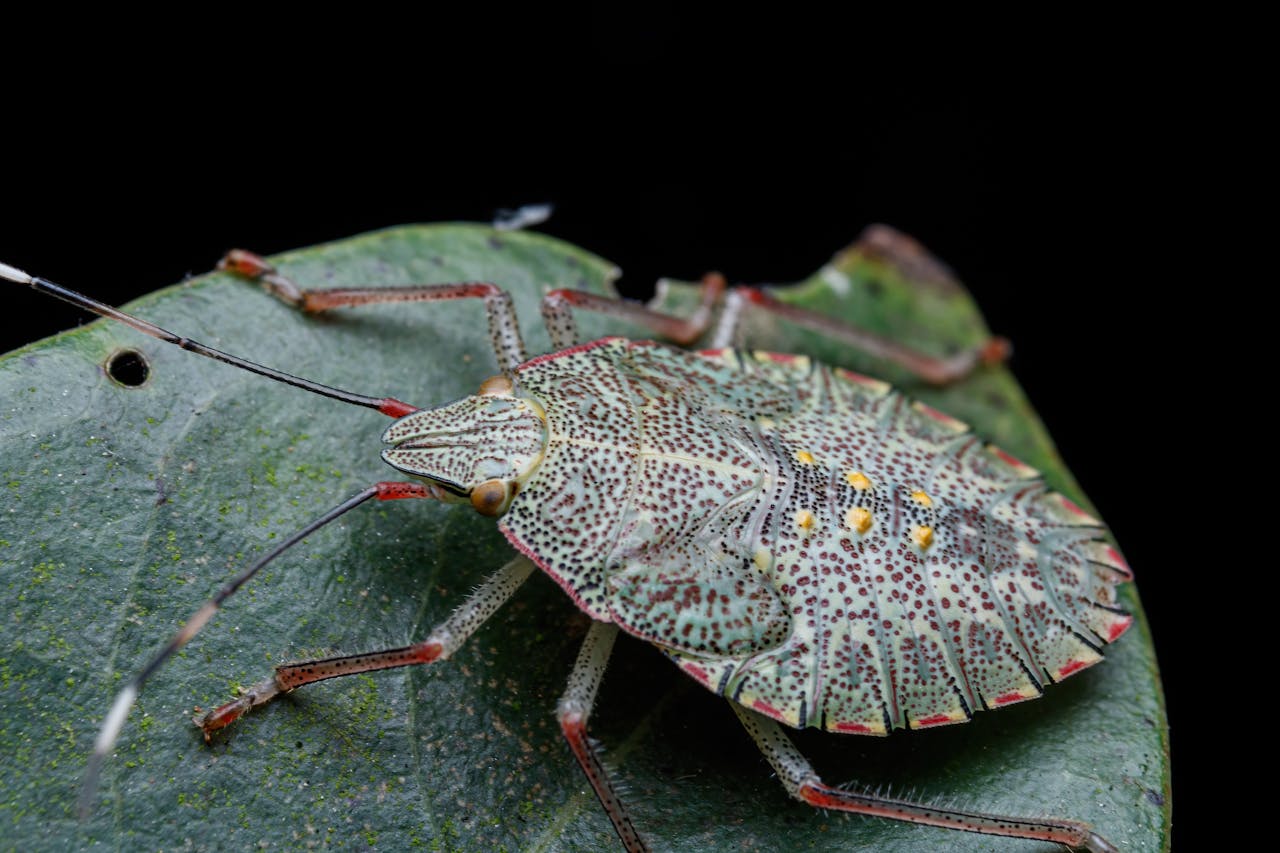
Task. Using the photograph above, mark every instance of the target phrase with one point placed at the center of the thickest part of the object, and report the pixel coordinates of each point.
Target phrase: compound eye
(489, 497)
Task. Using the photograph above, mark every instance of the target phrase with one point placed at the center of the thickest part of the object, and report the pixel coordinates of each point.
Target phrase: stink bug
(356, 777)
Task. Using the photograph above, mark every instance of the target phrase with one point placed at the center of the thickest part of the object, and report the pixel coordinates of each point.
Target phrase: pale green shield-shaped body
(807, 541)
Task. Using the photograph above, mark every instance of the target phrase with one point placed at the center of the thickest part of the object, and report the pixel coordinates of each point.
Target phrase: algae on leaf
(127, 507)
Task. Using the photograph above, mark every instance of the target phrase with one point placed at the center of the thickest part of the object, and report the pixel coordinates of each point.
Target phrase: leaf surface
(126, 508)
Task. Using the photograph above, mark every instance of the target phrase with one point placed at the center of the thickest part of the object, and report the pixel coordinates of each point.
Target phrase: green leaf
(125, 508)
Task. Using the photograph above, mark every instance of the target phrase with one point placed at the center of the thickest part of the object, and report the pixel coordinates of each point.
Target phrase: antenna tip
(14, 274)
(102, 746)
(89, 787)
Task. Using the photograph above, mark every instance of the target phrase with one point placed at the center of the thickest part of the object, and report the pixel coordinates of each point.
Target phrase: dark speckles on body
(806, 540)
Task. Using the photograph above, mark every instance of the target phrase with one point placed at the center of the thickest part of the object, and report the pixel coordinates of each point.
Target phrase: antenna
(386, 405)
(115, 719)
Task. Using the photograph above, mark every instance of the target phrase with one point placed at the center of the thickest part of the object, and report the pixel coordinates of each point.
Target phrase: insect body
(801, 540)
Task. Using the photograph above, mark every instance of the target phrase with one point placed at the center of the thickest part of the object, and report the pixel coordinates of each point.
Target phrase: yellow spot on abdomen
(804, 519)
(923, 535)
(804, 457)
(922, 497)
(858, 480)
(763, 559)
(858, 519)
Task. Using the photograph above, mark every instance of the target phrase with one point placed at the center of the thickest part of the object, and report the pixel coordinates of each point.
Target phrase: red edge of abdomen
(552, 356)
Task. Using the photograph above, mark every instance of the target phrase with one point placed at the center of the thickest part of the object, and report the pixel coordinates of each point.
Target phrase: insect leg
(574, 709)
(911, 258)
(935, 370)
(802, 783)
(442, 642)
(558, 307)
(114, 722)
(504, 329)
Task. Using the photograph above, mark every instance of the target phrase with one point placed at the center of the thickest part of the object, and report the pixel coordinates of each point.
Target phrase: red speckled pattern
(806, 541)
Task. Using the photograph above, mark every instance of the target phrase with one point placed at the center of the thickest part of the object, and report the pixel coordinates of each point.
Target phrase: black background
(1050, 196)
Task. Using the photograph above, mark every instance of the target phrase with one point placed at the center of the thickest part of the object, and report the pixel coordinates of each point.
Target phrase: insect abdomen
(808, 541)
(926, 575)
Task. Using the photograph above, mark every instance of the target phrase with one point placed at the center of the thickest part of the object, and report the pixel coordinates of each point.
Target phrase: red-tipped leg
(440, 644)
(258, 268)
(802, 783)
(558, 307)
(936, 370)
(573, 711)
(291, 676)
(504, 328)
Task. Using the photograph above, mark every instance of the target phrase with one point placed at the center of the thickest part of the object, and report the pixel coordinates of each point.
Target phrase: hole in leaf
(128, 368)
